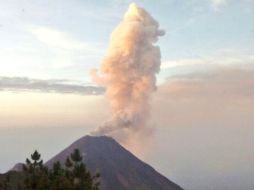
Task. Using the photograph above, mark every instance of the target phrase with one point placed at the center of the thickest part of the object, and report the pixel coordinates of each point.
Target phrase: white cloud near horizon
(229, 59)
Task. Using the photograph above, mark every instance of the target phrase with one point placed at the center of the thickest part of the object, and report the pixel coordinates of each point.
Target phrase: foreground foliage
(35, 176)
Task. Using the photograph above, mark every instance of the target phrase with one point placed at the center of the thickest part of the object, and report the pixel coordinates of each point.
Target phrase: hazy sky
(202, 112)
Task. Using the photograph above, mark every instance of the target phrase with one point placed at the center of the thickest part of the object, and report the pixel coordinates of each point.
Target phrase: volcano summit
(119, 169)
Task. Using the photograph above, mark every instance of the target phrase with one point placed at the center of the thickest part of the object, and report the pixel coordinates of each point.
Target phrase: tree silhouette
(72, 176)
(35, 174)
(6, 185)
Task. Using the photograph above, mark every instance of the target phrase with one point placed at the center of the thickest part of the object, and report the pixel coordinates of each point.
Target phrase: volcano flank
(119, 169)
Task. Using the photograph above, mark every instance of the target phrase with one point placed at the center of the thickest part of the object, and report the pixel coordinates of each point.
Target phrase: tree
(36, 175)
(80, 177)
(57, 178)
(72, 176)
(6, 185)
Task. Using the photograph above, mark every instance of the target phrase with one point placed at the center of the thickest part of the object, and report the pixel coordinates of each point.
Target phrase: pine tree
(6, 183)
(82, 179)
(58, 181)
(36, 175)
(72, 176)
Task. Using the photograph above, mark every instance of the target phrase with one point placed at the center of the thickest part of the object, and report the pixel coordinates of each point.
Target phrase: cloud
(233, 83)
(179, 63)
(224, 58)
(65, 50)
(59, 39)
(57, 86)
(217, 4)
(206, 119)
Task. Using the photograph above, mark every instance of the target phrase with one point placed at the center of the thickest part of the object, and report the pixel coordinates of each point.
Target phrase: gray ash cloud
(16, 84)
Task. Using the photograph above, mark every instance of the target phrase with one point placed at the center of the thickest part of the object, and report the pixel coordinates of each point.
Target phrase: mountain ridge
(119, 168)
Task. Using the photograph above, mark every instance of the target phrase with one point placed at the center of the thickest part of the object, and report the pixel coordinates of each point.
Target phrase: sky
(202, 111)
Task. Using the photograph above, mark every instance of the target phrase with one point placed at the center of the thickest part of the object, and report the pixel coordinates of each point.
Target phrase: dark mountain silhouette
(119, 169)
(18, 167)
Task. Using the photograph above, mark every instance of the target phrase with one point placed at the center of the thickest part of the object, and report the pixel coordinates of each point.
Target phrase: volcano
(119, 169)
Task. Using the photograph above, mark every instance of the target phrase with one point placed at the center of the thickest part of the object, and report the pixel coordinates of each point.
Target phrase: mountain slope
(119, 169)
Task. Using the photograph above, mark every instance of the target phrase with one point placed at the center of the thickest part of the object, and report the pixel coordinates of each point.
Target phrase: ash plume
(128, 72)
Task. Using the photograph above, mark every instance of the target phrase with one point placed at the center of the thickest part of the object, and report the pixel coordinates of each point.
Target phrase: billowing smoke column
(128, 72)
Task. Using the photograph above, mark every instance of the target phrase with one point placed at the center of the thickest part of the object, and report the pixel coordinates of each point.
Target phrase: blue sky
(202, 112)
(65, 39)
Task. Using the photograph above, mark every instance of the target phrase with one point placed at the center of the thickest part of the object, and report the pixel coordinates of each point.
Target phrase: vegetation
(35, 176)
